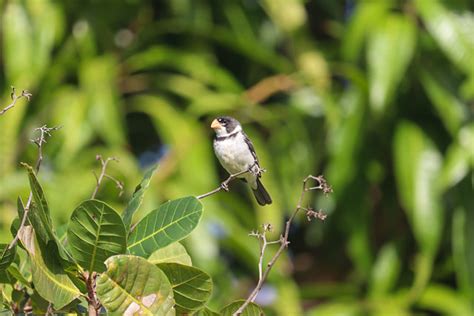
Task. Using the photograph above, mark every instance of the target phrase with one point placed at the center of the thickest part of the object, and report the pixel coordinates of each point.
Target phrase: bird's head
(224, 125)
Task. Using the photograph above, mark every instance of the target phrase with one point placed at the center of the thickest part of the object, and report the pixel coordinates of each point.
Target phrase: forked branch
(44, 133)
(24, 94)
(103, 175)
(264, 270)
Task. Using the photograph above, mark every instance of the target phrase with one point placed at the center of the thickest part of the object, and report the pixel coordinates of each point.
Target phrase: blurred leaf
(15, 272)
(444, 300)
(7, 256)
(194, 65)
(451, 31)
(49, 278)
(171, 222)
(131, 285)
(366, 15)
(451, 111)
(251, 310)
(417, 166)
(287, 14)
(462, 256)
(385, 272)
(173, 253)
(191, 287)
(390, 49)
(137, 198)
(95, 233)
(455, 167)
(336, 308)
(98, 78)
(291, 305)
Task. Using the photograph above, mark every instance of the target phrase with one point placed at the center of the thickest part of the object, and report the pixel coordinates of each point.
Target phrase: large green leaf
(205, 312)
(251, 310)
(6, 256)
(137, 198)
(417, 166)
(131, 285)
(385, 271)
(452, 32)
(48, 275)
(191, 286)
(171, 222)
(173, 253)
(95, 233)
(390, 50)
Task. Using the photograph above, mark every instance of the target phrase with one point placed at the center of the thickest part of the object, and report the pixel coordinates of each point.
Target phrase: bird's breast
(233, 154)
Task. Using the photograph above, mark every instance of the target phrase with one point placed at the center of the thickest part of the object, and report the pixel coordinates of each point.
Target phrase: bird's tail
(261, 194)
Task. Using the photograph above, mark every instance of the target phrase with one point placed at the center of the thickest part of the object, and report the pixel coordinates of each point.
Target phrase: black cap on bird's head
(224, 125)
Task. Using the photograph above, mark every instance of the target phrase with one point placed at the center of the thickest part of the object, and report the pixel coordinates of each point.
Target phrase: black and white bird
(236, 154)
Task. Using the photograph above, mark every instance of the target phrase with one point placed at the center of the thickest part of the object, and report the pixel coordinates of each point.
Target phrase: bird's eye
(222, 121)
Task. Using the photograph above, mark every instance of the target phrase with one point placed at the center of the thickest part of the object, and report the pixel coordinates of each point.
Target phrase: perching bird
(236, 154)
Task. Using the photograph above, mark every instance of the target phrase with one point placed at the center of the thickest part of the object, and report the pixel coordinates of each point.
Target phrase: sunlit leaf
(251, 310)
(385, 271)
(390, 50)
(95, 233)
(137, 198)
(49, 278)
(206, 312)
(173, 253)
(445, 301)
(131, 285)
(191, 286)
(171, 222)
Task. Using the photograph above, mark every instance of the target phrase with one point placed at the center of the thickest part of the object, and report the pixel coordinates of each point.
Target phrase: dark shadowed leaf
(137, 198)
(173, 253)
(171, 222)
(6, 256)
(251, 310)
(191, 286)
(133, 286)
(95, 233)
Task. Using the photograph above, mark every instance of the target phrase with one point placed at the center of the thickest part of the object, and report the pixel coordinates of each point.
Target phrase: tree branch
(44, 132)
(283, 240)
(224, 186)
(24, 94)
(103, 175)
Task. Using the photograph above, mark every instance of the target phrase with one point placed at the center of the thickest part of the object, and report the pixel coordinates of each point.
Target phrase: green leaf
(173, 253)
(205, 312)
(390, 50)
(385, 271)
(445, 301)
(137, 198)
(7, 256)
(40, 217)
(95, 233)
(191, 286)
(15, 272)
(451, 31)
(171, 222)
(417, 166)
(49, 278)
(131, 285)
(251, 310)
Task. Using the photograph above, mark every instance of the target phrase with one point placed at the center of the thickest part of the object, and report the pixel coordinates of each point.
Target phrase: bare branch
(44, 132)
(103, 175)
(24, 94)
(224, 186)
(283, 240)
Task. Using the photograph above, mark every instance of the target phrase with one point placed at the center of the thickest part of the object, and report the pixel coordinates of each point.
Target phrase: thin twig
(103, 175)
(224, 186)
(24, 94)
(44, 133)
(283, 240)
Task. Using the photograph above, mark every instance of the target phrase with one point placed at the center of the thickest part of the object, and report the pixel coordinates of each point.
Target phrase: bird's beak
(215, 124)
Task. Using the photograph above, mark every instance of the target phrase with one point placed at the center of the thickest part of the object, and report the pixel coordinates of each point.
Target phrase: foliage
(376, 95)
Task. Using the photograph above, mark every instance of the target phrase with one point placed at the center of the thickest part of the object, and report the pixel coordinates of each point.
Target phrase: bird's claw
(225, 187)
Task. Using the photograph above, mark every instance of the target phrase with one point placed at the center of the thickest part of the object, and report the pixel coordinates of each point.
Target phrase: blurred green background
(376, 95)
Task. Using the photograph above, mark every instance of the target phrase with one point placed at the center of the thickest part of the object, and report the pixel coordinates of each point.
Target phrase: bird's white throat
(222, 132)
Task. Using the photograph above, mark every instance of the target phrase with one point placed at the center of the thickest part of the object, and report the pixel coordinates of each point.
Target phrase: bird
(236, 153)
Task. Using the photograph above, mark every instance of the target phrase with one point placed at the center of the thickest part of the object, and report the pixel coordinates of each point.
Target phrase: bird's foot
(224, 186)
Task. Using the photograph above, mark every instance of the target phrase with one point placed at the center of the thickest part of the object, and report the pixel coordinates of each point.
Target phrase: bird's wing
(251, 148)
